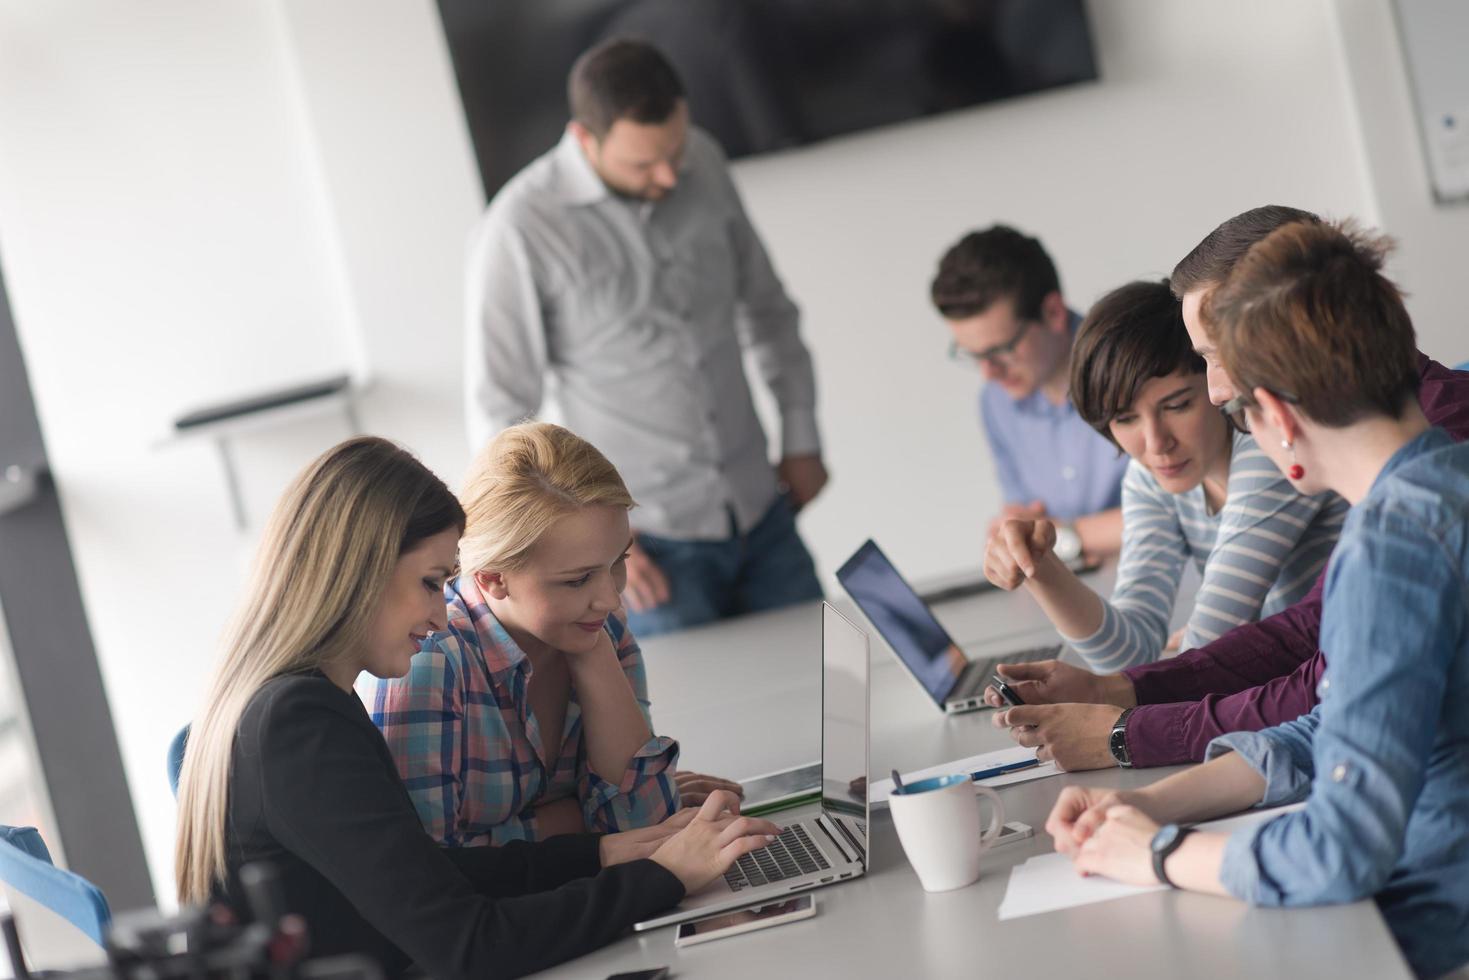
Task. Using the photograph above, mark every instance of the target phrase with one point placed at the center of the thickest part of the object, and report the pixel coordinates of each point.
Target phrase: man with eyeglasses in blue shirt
(999, 293)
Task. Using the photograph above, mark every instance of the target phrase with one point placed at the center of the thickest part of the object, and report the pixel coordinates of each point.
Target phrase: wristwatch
(1167, 840)
(1117, 743)
(1068, 544)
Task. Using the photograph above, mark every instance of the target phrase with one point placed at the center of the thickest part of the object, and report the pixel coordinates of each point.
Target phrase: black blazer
(314, 791)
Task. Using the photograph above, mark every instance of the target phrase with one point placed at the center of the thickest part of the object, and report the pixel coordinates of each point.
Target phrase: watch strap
(1161, 854)
(1117, 742)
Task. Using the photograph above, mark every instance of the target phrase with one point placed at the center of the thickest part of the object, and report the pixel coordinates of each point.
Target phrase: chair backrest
(1463, 367)
(40, 894)
(176, 758)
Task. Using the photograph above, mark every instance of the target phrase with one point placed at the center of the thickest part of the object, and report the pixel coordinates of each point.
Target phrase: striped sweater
(1259, 554)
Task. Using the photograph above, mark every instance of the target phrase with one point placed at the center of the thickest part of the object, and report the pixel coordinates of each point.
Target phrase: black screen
(897, 613)
(760, 74)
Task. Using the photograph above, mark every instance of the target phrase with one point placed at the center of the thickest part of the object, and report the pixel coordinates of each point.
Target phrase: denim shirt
(1383, 759)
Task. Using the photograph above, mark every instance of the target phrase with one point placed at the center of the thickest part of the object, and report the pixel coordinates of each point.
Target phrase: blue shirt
(1046, 452)
(1383, 759)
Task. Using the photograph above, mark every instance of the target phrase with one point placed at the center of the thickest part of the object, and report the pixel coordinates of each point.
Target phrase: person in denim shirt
(1323, 354)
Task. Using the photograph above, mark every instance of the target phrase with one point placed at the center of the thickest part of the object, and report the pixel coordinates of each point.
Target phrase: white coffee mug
(938, 823)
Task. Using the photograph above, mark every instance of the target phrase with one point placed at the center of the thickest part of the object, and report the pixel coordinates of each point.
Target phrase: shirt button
(1068, 472)
(1325, 684)
(1339, 773)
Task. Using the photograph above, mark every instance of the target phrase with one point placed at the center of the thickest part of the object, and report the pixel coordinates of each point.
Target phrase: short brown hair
(1133, 334)
(1211, 260)
(990, 265)
(622, 78)
(1308, 313)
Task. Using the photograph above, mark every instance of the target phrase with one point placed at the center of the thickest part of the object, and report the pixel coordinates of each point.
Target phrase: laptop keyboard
(982, 673)
(788, 856)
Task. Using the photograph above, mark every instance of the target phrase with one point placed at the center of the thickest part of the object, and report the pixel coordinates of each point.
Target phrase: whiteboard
(1435, 38)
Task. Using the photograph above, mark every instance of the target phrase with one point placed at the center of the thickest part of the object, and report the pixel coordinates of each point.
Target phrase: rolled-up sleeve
(1281, 755)
(647, 793)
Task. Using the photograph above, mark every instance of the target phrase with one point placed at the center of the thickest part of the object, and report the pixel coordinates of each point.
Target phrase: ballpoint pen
(1005, 770)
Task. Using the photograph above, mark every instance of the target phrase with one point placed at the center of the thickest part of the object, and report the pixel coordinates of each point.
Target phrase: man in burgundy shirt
(1254, 676)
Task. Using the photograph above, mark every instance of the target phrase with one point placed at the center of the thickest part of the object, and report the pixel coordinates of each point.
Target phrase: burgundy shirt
(1264, 673)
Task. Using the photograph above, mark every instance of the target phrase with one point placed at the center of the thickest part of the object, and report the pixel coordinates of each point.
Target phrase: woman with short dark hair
(1195, 492)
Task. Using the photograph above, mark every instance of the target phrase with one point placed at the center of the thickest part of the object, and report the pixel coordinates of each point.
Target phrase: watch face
(1165, 837)
(1118, 745)
(1068, 544)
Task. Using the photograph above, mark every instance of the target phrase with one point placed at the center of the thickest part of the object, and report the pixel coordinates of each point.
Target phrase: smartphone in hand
(1006, 692)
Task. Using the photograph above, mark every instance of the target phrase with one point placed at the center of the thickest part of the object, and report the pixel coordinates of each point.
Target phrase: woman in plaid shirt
(529, 716)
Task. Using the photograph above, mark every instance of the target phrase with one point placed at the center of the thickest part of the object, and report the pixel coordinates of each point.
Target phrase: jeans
(765, 568)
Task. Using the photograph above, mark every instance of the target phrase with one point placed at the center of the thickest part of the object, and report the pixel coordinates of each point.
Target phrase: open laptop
(826, 841)
(923, 647)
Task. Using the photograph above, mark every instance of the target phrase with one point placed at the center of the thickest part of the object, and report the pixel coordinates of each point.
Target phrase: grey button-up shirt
(638, 314)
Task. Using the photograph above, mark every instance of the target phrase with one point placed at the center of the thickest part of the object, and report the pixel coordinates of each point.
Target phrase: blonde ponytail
(529, 476)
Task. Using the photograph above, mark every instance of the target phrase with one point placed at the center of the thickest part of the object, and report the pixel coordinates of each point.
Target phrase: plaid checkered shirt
(461, 730)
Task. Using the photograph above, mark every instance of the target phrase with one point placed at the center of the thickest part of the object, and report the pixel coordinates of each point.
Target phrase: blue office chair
(25, 867)
(176, 758)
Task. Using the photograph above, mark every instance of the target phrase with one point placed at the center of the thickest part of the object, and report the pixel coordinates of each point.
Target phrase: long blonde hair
(527, 478)
(328, 551)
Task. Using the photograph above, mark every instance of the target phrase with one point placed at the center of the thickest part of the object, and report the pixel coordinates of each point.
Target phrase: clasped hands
(1106, 832)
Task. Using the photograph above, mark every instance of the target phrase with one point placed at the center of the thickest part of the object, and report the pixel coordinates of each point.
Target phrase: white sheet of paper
(1048, 882)
(883, 788)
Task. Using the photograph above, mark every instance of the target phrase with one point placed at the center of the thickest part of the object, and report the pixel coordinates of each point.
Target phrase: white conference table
(743, 697)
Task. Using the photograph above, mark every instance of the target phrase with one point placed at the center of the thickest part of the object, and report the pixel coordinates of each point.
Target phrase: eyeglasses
(1234, 409)
(999, 352)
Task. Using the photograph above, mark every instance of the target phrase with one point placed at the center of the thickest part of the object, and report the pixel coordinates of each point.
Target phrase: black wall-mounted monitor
(761, 74)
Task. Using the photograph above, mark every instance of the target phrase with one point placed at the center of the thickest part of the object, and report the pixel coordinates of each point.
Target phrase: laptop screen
(843, 713)
(904, 620)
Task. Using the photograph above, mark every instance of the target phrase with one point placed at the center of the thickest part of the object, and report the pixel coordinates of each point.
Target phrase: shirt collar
(470, 613)
(1036, 403)
(577, 182)
(1423, 443)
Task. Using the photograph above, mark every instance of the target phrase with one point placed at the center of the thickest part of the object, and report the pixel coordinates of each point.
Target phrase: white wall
(165, 244)
(1203, 110)
(1433, 239)
(198, 200)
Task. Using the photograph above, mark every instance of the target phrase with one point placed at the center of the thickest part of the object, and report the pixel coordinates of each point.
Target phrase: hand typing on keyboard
(788, 856)
(712, 840)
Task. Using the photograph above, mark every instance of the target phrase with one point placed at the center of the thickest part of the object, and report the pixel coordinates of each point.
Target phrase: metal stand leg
(232, 480)
(349, 406)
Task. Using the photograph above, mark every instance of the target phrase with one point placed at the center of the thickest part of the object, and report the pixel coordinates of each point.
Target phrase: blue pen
(1003, 770)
